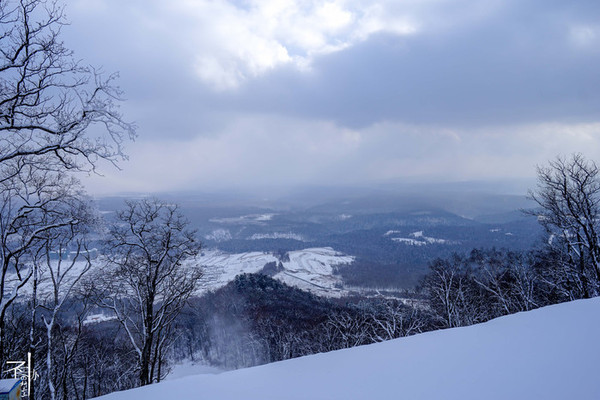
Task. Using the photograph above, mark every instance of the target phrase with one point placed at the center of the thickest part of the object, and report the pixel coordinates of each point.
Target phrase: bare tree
(347, 330)
(568, 196)
(453, 295)
(392, 320)
(58, 265)
(508, 279)
(33, 204)
(56, 116)
(147, 282)
(49, 103)
(524, 283)
(64, 262)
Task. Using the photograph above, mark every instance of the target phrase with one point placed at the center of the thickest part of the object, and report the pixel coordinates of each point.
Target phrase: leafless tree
(34, 203)
(453, 294)
(524, 285)
(394, 320)
(60, 261)
(50, 104)
(507, 278)
(147, 282)
(56, 115)
(345, 330)
(568, 196)
(64, 262)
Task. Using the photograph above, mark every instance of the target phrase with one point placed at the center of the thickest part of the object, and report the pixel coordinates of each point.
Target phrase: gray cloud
(432, 89)
(520, 65)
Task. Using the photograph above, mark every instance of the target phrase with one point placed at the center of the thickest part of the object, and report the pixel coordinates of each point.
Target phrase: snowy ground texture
(308, 269)
(418, 239)
(550, 353)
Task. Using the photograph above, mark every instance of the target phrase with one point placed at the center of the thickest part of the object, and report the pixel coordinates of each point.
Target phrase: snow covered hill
(550, 353)
(308, 269)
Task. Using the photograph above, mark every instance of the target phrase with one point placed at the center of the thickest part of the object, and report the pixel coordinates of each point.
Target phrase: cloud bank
(342, 92)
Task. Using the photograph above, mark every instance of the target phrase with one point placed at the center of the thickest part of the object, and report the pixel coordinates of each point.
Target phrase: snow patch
(309, 269)
(410, 242)
(97, 318)
(264, 217)
(190, 368)
(221, 268)
(219, 235)
(45, 286)
(417, 239)
(277, 235)
(257, 219)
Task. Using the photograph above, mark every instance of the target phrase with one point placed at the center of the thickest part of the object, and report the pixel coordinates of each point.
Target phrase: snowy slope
(550, 353)
(220, 268)
(45, 288)
(312, 270)
(308, 269)
(417, 239)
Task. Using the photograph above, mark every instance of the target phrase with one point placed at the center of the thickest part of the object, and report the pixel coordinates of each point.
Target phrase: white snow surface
(417, 239)
(550, 353)
(219, 235)
(409, 241)
(97, 318)
(220, 268)
(251, 219)
(308, 269)
(189, 368)
(45, 287)
(312, 270)
(277, 235)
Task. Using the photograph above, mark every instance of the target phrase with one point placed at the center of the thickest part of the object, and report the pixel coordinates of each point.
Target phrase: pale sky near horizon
(243, 92)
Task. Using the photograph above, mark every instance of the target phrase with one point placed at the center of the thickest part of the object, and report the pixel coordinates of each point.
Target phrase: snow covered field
(417, 239)
(550, 353)
(308, 269)
(277, 235)
(221, 268)
(256, 219)
(45, 287)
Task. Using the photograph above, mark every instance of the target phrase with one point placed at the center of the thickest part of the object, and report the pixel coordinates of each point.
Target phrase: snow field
(417, 239)
(308, 269)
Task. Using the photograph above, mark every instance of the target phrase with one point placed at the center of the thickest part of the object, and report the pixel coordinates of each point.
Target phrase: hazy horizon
(508, 187)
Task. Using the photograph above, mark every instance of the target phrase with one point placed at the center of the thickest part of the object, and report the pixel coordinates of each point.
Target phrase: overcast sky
(269, 92)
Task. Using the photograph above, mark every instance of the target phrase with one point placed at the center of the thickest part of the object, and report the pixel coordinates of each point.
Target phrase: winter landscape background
(300, 199)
